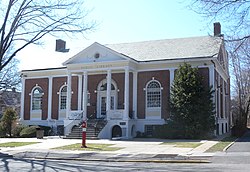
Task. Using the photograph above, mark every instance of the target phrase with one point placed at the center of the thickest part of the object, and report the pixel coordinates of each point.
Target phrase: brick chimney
(217, 29)
(60, 46)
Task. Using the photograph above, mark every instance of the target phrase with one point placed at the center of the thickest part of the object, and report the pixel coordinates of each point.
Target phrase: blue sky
(121, 21)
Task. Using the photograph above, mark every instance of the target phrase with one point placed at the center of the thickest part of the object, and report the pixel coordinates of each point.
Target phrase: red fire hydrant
(84, 126)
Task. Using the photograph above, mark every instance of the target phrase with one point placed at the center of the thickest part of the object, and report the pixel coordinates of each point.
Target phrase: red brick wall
(143, 79)
(93, 81)
(74, 87)
(29, 85)
(204, 72)
(57, 84)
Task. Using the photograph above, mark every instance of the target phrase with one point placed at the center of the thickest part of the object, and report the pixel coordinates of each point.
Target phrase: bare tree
(24, 22)
(9, 76)
(240, 60)
(234, 12)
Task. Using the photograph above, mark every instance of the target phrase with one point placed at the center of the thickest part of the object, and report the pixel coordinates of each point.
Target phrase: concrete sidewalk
(139, 150)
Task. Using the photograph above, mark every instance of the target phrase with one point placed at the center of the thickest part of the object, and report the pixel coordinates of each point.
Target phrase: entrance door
(103, 101)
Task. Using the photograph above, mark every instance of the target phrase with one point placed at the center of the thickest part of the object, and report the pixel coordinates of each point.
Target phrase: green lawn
(183, 144)
(90, 147)
(16, 144)
(221, 145)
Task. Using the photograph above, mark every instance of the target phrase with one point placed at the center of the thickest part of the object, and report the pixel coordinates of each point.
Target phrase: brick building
(127, 85)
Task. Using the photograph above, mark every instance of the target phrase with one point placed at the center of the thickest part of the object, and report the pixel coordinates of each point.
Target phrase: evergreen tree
(9, 117)
(191, 105)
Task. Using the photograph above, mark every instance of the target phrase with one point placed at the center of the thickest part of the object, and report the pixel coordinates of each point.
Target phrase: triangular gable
(96, 53)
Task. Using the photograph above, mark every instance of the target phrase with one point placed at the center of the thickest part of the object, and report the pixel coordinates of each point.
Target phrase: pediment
(96, 53)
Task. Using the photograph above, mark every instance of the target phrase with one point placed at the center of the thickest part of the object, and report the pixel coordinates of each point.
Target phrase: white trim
(171, 77)
(126, 93)
(108, 96)
(80, 89)
(38, 111)
(69, 90)
(22, 99)
(59, 99)
(101, 94)
(85, 94)
(50, 98)
(153, 109)
(135, 80)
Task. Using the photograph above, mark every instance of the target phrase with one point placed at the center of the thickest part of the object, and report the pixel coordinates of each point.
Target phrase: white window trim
(59, 98)
(146, 97)
(31, 98)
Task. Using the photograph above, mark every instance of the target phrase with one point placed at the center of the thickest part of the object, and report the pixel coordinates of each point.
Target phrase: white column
(68, 94)
(108, 100)
(50, 97)
(85, 94)
(126, 93)
(171, 76)
(79, 92)
(22, 99)
(211, 76)
(135, 78)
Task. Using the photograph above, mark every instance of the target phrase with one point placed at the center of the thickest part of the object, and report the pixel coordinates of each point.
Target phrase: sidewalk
(139, 150)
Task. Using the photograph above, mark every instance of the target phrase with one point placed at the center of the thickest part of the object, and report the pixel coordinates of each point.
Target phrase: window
(153, 92)
(63, 98)
(37, 99)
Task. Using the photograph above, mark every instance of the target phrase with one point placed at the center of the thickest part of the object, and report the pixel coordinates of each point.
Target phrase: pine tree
(8, 119)
(191, 105)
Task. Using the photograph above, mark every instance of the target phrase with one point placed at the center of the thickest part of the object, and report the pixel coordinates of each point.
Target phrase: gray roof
(167, 49)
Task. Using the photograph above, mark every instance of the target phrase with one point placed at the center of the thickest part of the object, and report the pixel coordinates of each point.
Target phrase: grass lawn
(16, 144)
(222, 144)
(183, 144)
(90, 147)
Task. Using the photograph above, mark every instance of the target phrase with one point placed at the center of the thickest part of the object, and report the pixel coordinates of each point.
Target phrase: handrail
(79, 115)
(72, 121)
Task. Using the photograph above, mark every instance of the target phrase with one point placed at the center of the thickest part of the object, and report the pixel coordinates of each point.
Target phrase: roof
(169, 49)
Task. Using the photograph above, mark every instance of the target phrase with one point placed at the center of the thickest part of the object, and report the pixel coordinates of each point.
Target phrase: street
(25, 165)
(236, 158)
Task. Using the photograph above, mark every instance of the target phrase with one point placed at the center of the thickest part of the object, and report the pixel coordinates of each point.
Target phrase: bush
(167, 131)
(17, 130)
(29, 132)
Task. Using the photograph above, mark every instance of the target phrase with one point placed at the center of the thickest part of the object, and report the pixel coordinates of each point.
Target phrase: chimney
(217, 29)
(60, 46)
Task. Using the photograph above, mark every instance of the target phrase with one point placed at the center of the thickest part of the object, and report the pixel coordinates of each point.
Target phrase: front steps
(94, 127)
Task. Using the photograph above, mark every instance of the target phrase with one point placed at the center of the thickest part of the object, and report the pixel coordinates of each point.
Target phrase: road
(28, 165)
(237, 158)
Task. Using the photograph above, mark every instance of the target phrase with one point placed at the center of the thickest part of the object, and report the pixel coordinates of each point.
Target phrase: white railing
(116, 114)
(74, 118)
(75, 115)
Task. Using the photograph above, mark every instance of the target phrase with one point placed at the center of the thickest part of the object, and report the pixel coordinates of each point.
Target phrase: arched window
(37, 98)
(63, 98)
(153, 94)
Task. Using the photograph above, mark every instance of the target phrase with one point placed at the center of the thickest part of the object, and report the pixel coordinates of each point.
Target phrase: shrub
(29, 132)
(168, 131)
(17, 130)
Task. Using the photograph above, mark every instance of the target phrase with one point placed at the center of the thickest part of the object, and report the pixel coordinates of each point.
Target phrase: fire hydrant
(84, 129)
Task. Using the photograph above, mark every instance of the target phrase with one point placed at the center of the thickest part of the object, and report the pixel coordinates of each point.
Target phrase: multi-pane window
(37, 99)
(63, 98)
(153, 94)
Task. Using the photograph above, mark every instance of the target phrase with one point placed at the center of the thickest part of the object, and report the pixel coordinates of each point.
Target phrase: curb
(111, 160)
(228, 146)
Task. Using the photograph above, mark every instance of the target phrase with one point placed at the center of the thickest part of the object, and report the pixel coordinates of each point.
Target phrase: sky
(120, 21)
